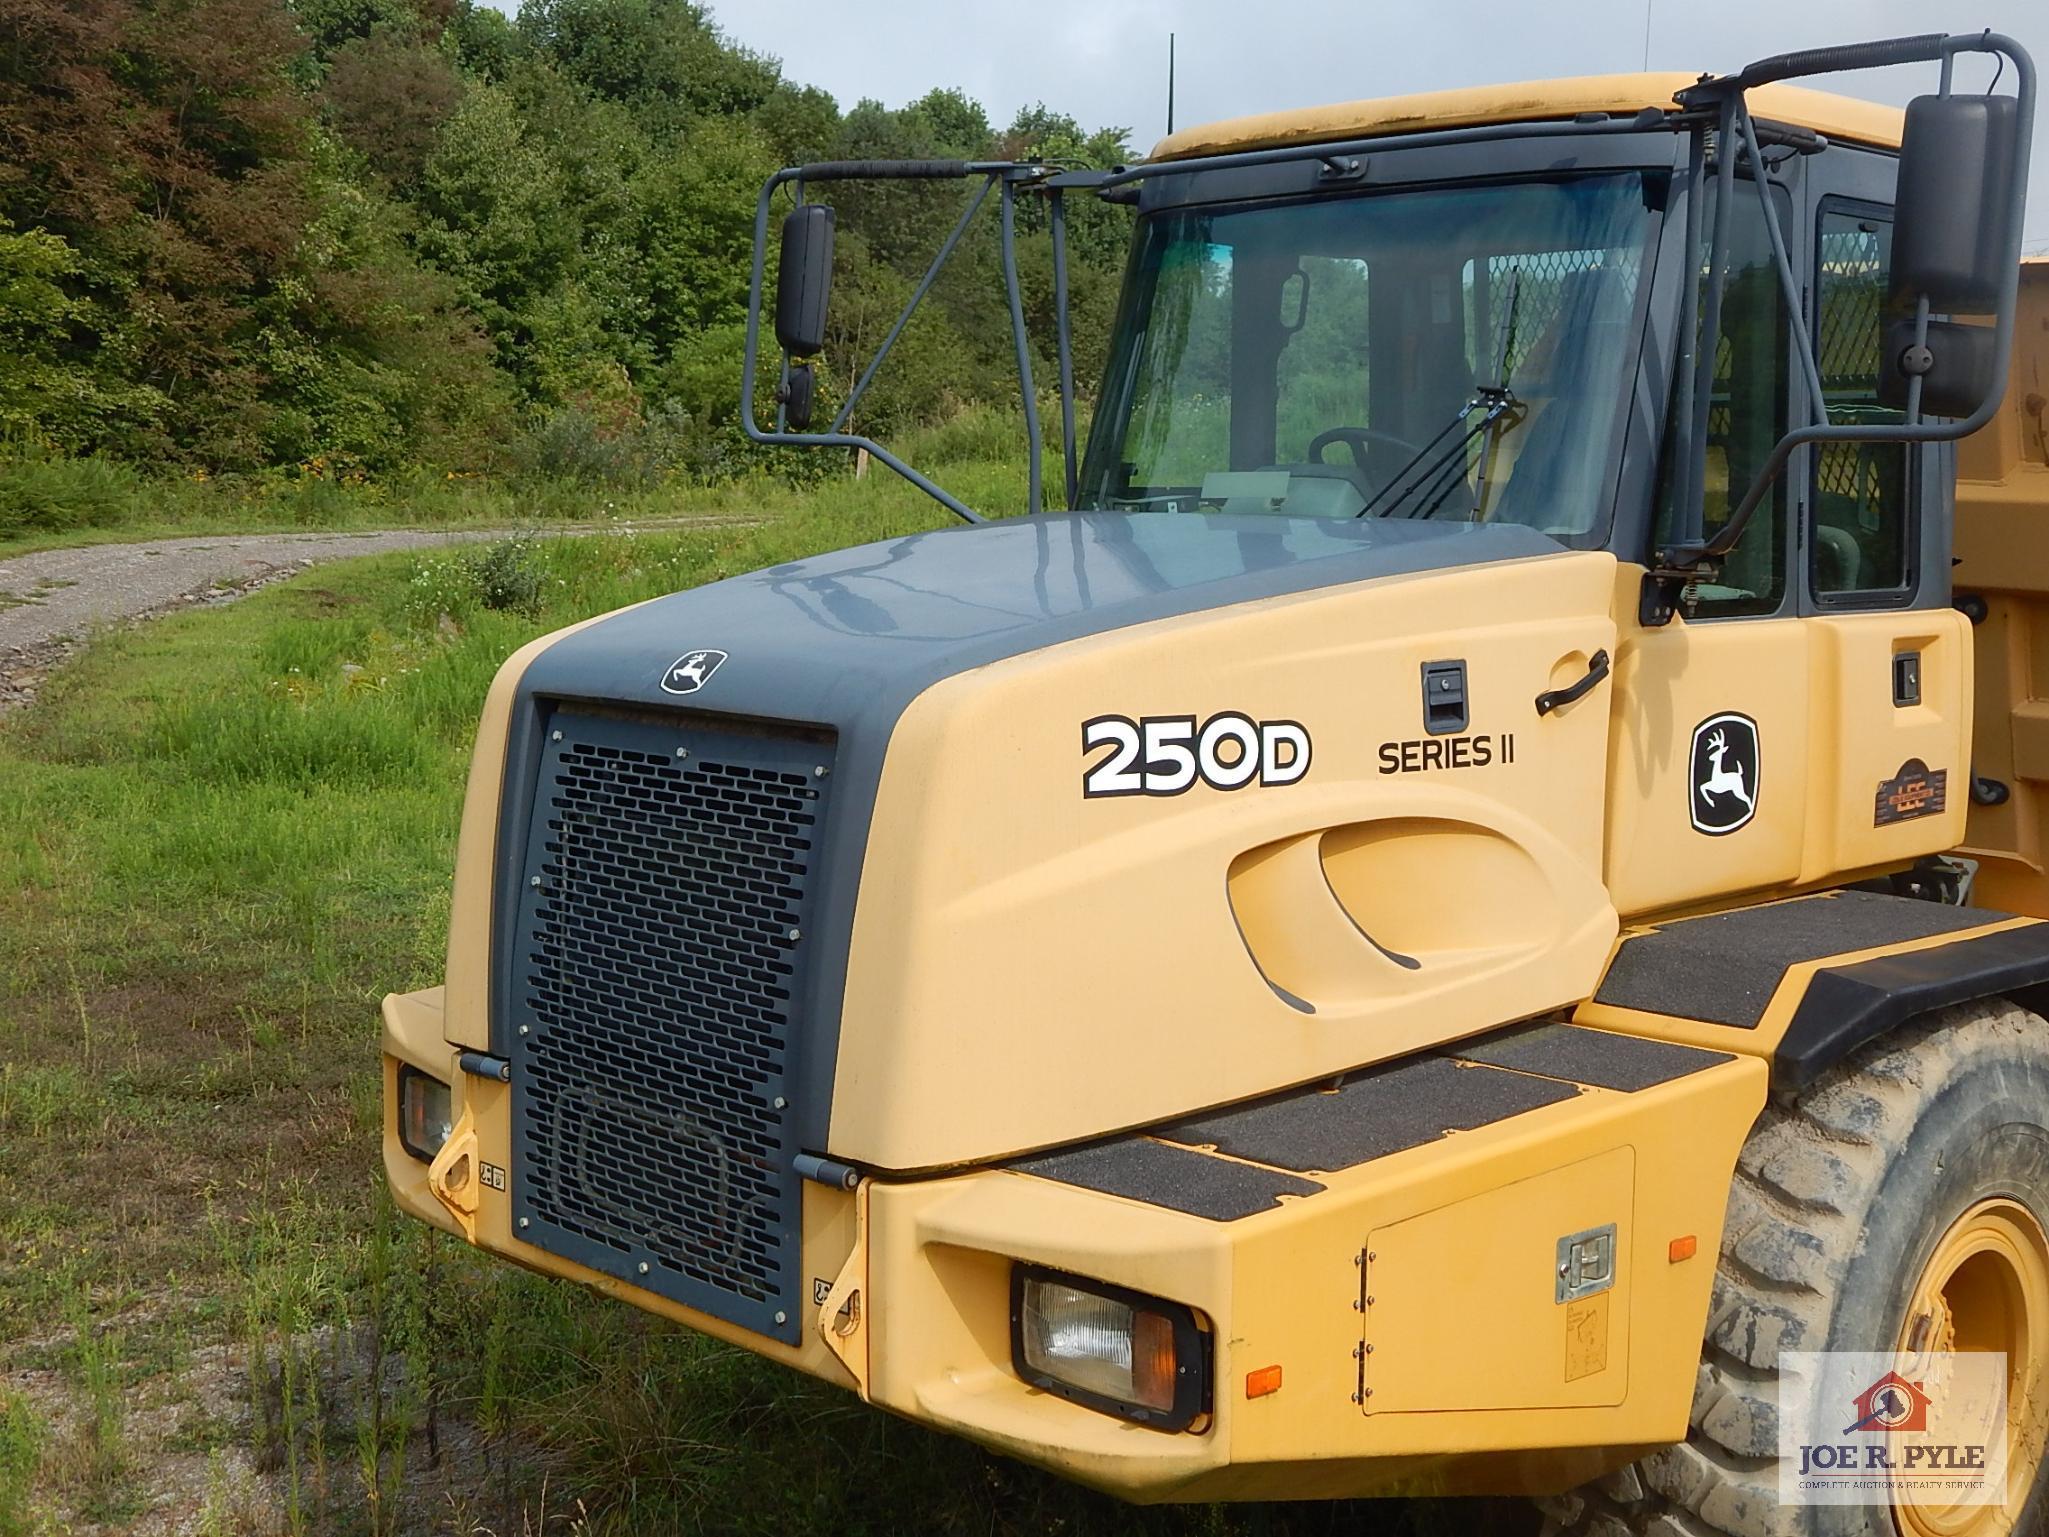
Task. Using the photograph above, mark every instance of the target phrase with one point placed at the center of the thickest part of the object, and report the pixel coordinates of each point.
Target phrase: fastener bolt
(781, 1103)
(820, 771)
(796, 934)
(535, 882)
(524, 1028)
(642, 1267)
(682, 752)
(554, 736)
(782, 1317)
(525, 1221)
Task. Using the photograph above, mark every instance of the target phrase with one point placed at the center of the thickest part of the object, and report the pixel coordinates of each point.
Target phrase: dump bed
(2002, 551)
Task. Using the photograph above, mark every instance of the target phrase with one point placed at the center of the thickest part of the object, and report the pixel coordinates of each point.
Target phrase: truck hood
(843, 645)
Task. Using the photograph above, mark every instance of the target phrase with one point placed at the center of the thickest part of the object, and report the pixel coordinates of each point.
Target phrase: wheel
(1901, 1202)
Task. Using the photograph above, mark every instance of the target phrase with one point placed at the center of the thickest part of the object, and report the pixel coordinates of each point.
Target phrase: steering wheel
(1356, 439)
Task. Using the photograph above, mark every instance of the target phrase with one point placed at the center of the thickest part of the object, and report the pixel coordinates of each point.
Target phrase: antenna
(1170, 82)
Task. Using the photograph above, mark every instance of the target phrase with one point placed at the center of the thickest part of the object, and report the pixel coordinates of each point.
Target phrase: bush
(40, 495)
(580, 445)
(507, 576)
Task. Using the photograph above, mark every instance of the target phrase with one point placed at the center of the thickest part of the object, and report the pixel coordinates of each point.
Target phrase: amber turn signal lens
(1262, 1382)
(1152, 1360)
(1682, 1248)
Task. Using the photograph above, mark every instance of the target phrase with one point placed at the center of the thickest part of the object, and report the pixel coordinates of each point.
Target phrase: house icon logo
(1892, 1403)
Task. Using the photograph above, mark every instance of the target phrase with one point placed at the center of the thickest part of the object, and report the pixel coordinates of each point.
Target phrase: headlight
(426, 1113)
(1118, 1351)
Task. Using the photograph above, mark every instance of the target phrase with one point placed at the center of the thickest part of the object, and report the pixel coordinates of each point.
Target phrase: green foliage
(272, 237)
(50, 495)
(21, 1437)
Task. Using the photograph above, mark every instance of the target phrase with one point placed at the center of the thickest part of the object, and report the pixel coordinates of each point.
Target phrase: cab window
(1746, 418)
(1862, 516)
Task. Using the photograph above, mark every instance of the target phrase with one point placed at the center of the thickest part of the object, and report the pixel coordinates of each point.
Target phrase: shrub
(39, 495)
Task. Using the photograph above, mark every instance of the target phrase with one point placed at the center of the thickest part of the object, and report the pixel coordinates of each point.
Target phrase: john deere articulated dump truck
(1477, 897)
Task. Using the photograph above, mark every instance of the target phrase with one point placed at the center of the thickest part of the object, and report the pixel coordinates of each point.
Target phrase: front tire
(1903, 1196)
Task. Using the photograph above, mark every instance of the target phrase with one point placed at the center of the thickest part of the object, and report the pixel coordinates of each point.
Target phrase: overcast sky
(1104, 61)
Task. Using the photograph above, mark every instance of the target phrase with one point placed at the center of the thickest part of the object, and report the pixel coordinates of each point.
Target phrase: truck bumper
(1412, 1300)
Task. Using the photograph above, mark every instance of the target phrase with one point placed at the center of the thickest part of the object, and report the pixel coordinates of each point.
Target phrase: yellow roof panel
(1838, 117)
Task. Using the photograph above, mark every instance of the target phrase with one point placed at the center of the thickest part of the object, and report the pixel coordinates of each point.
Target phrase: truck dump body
(2002, 549)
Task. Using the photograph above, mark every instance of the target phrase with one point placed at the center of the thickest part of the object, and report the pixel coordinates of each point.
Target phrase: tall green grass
(47, 501)
(230, 832)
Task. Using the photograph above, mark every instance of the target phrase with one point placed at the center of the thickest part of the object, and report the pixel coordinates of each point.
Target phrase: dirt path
(50, 601)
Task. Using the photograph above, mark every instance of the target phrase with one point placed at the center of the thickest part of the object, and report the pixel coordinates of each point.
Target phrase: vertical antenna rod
(1170, 83)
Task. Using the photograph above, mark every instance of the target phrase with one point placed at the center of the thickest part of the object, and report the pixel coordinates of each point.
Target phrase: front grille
(668, 872)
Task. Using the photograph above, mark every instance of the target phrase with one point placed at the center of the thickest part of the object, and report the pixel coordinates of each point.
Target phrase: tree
(388, 96)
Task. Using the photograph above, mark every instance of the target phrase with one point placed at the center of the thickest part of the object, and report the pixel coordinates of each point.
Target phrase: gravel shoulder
(51, 600)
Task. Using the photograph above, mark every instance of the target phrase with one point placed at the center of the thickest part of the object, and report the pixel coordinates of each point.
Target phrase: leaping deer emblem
(1723, 781)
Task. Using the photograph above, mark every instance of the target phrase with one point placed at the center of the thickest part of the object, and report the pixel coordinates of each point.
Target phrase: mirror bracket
(1964, 375)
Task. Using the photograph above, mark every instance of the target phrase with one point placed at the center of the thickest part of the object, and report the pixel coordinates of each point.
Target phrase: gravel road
(50, 600)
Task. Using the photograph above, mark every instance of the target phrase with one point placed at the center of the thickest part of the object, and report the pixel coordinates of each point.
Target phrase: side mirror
(1953, 214)
(804, 280)
(798, 395)
(1956, 367)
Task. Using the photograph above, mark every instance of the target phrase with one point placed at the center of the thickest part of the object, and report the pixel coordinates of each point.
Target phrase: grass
(50, 503)
(229, 832)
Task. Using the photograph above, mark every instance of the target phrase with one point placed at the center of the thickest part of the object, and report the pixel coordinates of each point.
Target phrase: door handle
(1558, 698)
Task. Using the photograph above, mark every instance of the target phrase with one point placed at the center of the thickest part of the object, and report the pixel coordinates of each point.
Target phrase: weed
(505, 576)
(21, 1447)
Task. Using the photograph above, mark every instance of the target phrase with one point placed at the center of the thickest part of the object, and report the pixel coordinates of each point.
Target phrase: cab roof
(1836, 117)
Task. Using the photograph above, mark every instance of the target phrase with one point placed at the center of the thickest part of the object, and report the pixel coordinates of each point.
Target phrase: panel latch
(1586, 1263)
(1444, 697)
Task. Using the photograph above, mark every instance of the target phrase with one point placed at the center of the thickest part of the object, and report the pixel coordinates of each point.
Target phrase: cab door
(1711, 744)
(1891, 657)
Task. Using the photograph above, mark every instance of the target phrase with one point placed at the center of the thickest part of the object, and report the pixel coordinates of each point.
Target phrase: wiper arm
(1490, 403)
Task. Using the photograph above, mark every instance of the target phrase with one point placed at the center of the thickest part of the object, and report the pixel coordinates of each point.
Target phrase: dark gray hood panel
(845, 638)
(845, 641)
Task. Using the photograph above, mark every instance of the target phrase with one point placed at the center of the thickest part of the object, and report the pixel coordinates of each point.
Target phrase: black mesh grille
(667, 876)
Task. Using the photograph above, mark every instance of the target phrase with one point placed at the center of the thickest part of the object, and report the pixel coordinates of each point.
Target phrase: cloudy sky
(1104, 61)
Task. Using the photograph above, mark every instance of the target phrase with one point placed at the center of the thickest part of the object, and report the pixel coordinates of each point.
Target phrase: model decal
(1172, 754)
(1446, 752)
(691, 671)
(1915, 791)
(1722, 794)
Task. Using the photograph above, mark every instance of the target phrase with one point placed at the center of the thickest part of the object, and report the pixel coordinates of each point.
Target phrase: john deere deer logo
(1722, 792)
(691, 671)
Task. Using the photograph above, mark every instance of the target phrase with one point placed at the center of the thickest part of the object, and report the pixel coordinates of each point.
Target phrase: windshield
(1448, 352)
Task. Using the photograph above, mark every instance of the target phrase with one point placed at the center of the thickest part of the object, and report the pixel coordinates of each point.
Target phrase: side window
(1185, 352)
(1746, 417)
(1862, 517)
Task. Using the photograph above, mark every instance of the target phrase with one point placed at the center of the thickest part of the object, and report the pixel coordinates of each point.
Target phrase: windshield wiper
(1490, 402)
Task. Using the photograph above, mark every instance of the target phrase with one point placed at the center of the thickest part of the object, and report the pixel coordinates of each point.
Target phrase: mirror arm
(846, 412)
(1689, 326)
(1677, 559)
(1788, 283)
(750, 367)
(1034, 491)
(1064, 344)
(1701, 398)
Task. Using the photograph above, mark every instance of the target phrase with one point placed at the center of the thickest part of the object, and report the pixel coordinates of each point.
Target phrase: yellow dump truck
(1478, 891)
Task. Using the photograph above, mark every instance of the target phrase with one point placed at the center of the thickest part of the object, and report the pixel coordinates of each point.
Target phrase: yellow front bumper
(1411, 1303)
